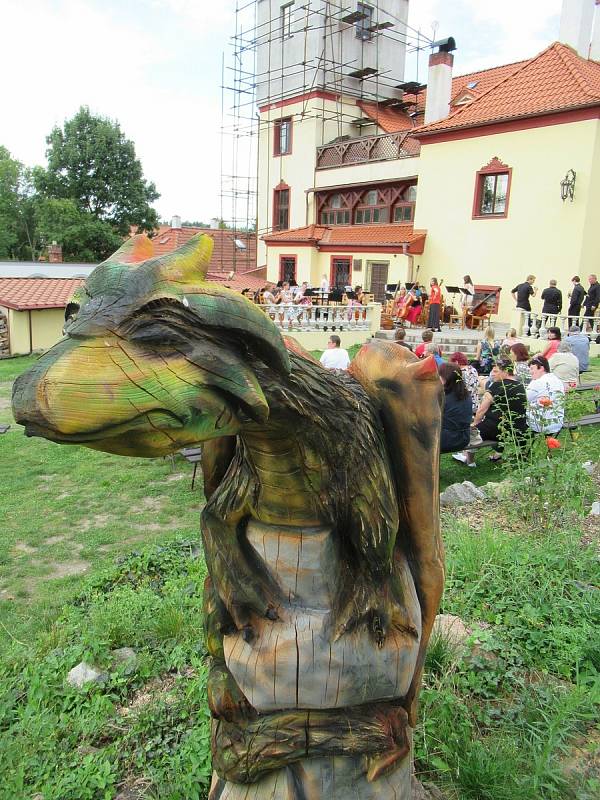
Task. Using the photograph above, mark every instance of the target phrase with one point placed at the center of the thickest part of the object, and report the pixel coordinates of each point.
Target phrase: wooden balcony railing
(385, 147)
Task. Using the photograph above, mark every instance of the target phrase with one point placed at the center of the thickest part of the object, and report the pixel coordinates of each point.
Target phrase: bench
(589, 419)
(193, 455)
(587, 387)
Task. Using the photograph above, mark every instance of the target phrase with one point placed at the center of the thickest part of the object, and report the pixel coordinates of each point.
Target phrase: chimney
(54, 253)
(595, 45)
(576, 25)
(176, 222)
(439, 83)
(214, 223)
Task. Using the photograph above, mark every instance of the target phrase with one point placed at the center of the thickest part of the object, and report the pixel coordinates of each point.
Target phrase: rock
(595, 509)
(460, 494)
(84, 673)
(589, 467)
(425, 791)
(497, 489)
(451, 628)
(126, 656)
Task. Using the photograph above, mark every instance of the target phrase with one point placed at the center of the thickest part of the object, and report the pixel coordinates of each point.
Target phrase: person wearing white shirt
(565, 364)
(335, 357)
(325, 284)
(545, 398)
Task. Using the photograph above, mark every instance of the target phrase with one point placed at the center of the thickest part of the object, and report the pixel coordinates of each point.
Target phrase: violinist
(399, 307)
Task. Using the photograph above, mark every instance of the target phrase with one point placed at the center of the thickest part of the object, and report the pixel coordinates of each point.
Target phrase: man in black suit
(552, 298)
(521, 295)
(576, 301)
(592, 300)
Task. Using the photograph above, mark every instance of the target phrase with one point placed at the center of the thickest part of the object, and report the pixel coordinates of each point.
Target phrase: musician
(400, 300)
(466, 300)
(521, 295)
(435, 299)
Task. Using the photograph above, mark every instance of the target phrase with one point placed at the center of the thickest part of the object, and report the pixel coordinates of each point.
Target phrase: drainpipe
(30, 332)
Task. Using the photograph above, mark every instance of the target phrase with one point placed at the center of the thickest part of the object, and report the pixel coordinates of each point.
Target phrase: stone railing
(384, 147)
(291, 317)
(533, 323)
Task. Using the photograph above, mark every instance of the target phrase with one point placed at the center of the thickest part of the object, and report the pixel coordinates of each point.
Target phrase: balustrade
(536, 324)
(289, 317)
(384, 147)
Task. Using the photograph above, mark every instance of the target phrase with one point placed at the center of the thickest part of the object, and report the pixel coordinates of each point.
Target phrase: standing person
(325, 284)
(575, 300)
(466, 300)
(552, 298)
(335, 357)
(521, 295)
(545, 398)
(554, 337)
(435, 298)
(458, 410)
(580, 345)
(592, 300)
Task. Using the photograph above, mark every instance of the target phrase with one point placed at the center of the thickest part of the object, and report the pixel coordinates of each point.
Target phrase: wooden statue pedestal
(294, 664)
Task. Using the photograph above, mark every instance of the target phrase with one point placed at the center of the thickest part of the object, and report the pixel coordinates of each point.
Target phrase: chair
(457, 320)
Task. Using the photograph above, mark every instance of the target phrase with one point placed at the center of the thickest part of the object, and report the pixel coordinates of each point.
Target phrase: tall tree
(92, 163)
(10, 179)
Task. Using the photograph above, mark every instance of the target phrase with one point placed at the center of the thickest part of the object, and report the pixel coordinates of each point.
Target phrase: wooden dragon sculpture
(321, 528)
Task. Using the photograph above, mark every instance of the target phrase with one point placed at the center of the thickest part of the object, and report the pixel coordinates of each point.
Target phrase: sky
(155, 66)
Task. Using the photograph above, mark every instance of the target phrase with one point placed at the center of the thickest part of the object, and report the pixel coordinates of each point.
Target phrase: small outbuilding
(32, 312)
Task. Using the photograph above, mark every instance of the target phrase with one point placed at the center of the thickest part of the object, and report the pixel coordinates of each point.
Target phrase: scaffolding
(327, 69)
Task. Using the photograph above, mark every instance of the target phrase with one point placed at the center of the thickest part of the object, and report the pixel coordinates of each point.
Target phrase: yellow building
(490, 173)
(33, 312)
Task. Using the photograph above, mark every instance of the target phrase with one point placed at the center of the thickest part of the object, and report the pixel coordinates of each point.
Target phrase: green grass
(496, 723)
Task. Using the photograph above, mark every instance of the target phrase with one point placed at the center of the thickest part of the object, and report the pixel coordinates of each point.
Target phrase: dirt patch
(21, 547)
(4, 403)
(149, 504)
(582, 762)
(66, 568)
(176, 476)
(97, 521)
(54, 540)
(172, 525)
(160, 688)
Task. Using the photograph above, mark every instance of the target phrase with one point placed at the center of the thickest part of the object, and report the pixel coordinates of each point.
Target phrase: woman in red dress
(435, 298)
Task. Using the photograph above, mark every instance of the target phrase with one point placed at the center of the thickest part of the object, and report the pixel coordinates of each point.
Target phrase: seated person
(554, 337)
(399, 337)
(458, 409)
(545, 398)
(520, 355)
(335, 357)
(435, 350)
(469, 376)
(511, 338)
(502, 411)
(565, 364)
(427, 337)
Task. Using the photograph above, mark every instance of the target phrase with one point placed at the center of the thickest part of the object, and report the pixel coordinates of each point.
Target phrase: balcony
(366, 149)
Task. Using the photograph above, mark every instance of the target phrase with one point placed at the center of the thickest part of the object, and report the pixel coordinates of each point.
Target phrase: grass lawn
(99, 552)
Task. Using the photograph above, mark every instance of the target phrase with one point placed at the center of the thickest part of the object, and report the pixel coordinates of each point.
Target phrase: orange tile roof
(25, 294)
(555, 80)
(239, 281)
(226, 256)
(388, 119)
(393, 234)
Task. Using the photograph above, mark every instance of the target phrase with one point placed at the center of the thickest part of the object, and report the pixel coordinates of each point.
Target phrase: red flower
(597, 387)
(545, 401)
(552, 443)
(572, 384)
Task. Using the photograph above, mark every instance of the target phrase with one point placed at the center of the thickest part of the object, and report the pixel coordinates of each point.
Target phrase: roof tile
(23, 294)
(350, 235)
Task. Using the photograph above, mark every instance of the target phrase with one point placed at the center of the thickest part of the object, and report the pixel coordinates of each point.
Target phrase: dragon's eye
(71, 312)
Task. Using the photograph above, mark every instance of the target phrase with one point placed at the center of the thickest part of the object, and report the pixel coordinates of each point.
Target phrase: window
(363, 25)
(335, 217)
(282, 143)
(371, 209)
(340, 272)
(403, 212)
(286, 20)
(492, 189)
(281, 209)
(287, 268)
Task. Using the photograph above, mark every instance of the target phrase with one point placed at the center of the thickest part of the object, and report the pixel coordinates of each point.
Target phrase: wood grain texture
(321, 528)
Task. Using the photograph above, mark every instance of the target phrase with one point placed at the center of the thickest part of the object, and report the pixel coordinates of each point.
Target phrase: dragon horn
(424, 370)
(189, 263)
(137, 248)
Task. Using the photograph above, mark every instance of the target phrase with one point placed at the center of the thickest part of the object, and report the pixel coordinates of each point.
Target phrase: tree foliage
(86, 200)
(92, 163)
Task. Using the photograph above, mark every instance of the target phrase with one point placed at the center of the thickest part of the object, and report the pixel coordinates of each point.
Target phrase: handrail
(292, 316)
(382, 147)
(534, 323)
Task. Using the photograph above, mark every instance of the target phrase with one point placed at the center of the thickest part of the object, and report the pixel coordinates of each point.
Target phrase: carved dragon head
(154, 357)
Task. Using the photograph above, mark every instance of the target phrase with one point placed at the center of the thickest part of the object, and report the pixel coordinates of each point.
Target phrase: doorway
(379, 278)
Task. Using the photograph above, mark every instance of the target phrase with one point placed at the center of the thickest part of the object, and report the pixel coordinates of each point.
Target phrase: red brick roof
(226, 255)
(388, 119)
(24, 294)
(555, 80)
(239, 281)
(392, 235)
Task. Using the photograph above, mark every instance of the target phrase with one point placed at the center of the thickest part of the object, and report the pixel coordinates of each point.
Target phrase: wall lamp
(567, 185)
